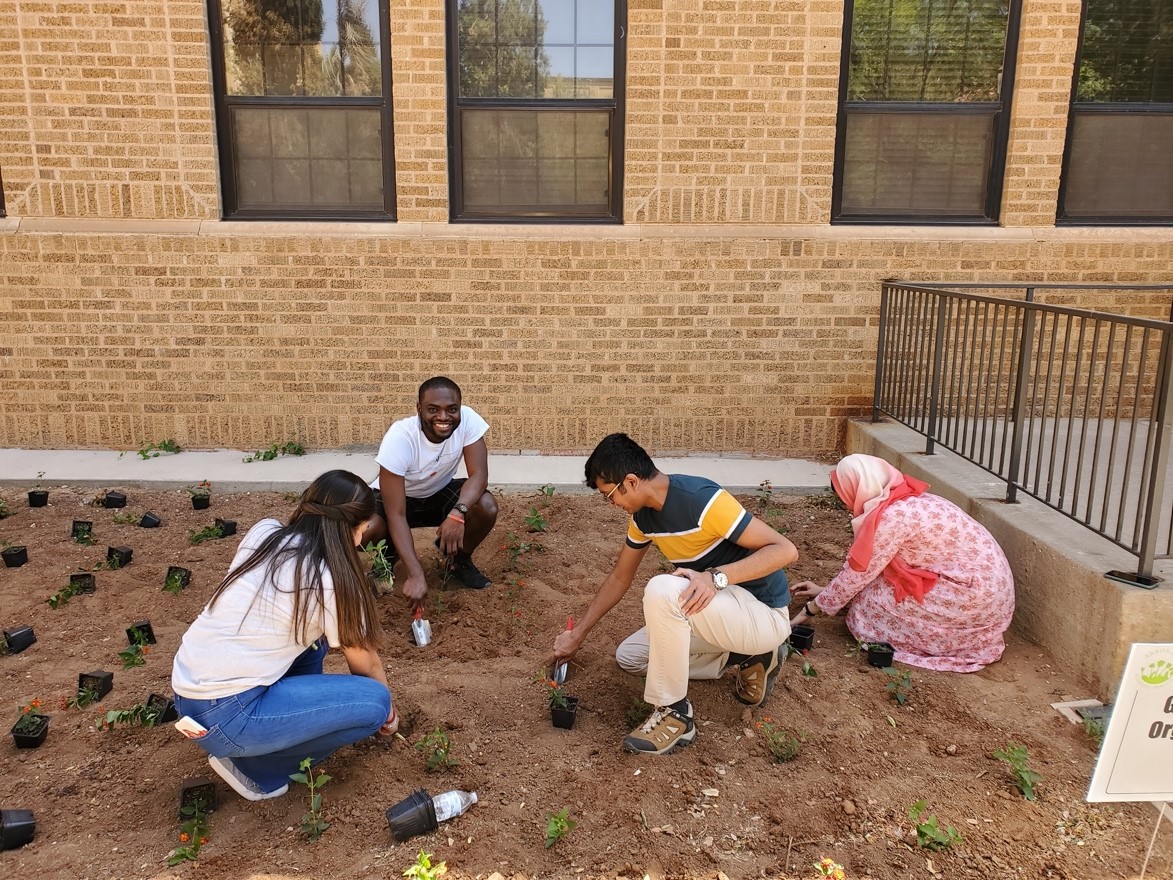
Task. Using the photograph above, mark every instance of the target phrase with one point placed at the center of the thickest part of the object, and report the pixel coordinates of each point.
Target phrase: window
(536, 109)
(1118, 166)
(303, 108)
(924, 108)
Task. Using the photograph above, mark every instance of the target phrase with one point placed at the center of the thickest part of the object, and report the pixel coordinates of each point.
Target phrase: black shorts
(430, 511)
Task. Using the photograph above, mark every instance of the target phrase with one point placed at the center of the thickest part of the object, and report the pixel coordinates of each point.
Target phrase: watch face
(463, 508)
(720, 581)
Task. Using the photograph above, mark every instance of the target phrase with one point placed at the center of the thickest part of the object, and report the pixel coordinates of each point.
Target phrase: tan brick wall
(106, 109)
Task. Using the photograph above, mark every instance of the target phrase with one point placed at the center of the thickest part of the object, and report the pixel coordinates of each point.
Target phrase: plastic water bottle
(451, 804)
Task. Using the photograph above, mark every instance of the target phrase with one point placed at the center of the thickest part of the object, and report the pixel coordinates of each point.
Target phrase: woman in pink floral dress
(921, 574)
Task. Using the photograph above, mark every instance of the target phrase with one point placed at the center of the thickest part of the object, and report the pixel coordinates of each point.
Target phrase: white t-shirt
(226, 651)
(427, 467)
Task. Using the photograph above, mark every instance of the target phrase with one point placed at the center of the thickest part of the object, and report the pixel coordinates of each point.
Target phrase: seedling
(62, 596)
(516, 548)
(177, 578)
(208, 533)
(558, 825)
(193, 833)
(547, 493)
(534, 521)
(423, 869)
(290, 448)
(830, 868)
(436, 748)
(929, 834)
(765, 494)
(808, 668)
(899, 685)
(381, 565)
(1094, 728)
(124, 519)
(555, 693)
(313, 825)
(141, 714)
(202, 489)
(783, 744)
(85, 697)
(637, 712)
(83, 533)
(135, 654)
(4, 511)
(30, 718)
(154, 450)
(1026, 779)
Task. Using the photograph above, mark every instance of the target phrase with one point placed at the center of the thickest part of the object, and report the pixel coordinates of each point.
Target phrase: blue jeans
(268, 731)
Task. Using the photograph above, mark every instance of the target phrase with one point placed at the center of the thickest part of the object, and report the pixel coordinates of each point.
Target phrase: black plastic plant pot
(414, 815)
(880, 654)
(17, 828)
(30, 739)
(121, 554)
(564, 718)
(81, 528)
(177, 571)
(150, 521)
(18, 638)
(144, 631)
(82, 582)
(99, 681)
(802, 637)
(226, 526)
(199, 791)
(200, 502)
(15, 557)
(165, 707)
(38, 497)
(113, 500)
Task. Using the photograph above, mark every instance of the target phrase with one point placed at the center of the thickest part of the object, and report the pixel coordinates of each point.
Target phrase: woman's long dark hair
(320, 537)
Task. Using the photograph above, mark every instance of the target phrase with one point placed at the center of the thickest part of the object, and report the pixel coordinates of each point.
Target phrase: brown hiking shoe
(665, 729)
(755, 678)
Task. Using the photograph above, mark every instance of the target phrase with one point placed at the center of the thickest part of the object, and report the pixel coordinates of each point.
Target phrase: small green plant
(516, 548)
(1026, 779)
(765, 494)
(110, 563)
(126, 519)
(193, 833)
(547, 493)
(830, 868)
(290, 448)
(208, 533)
(4, 511)
(558, 825)
(154, 450)
(1094, 728)
(555, 693)
(62, 596)
(808, 668)
(140, 714)
(313, 825)
(783, 744)
(136, 653)
(423, 869)
(637, 712)
(202, 489)
(84, 698)
(83, 534)
(929, 834)
(899, 685)
(28, 722)
(173, 583)
(436, 748)
(380, 558)
(534, 520)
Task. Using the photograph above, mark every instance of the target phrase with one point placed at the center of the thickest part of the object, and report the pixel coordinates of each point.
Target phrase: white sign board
(1136, 760)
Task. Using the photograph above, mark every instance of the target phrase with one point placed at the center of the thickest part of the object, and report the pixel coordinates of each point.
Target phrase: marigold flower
(203, 840)
(36, 704)
(184, 837)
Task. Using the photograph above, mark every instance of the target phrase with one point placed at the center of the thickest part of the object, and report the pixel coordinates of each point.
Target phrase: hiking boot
(755, 678)
(241, 784)
(468, 574)
(665, 729)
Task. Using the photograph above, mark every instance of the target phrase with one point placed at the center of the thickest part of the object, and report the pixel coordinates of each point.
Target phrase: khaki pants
(673, 648)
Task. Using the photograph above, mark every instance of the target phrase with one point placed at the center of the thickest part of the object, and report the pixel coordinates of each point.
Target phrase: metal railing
(1068, 405)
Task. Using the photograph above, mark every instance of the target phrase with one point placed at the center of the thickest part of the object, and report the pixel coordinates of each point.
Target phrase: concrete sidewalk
(227, 471)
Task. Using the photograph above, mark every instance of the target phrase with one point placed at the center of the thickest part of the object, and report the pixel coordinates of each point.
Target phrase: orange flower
(36, 704)
(203, 840)
(184, 837)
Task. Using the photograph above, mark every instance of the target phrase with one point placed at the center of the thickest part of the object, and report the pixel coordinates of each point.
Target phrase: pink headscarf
(867, 485)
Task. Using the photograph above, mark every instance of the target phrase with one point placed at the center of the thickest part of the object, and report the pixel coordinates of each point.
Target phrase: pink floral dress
(959, 626)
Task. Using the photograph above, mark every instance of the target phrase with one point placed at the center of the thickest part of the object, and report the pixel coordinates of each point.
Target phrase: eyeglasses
(607, 496)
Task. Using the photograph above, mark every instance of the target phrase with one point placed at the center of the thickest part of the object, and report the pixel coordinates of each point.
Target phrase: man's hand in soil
(415, 587)
(700, 591)
(451, 536)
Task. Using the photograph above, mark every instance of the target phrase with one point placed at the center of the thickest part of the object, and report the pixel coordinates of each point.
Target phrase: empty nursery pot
(119, 556)
(99, 681)
(38, 497)
(82, 582)
(165, 707)
(880, 654)
(200, 502)
(415, 814)
(199, 791)
(150, 521)
(18, 638)
(802, 637)
(32, 738)
(81, 528)
(176, 573)
(15, 557)
(564, 718)
(113, 500)
(226, 526)
(17, 828)
(143, 630)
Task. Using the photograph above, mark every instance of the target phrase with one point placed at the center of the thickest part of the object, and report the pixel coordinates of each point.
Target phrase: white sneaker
(240, 783)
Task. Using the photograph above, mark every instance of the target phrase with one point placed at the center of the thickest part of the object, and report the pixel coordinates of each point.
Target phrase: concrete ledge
(1063, 601)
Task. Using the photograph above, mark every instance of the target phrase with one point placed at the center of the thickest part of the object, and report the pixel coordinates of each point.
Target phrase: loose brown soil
(106, 801)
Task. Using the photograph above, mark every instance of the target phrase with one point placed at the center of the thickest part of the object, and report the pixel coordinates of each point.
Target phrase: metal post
(884, 289)
(1018, 416)
(935, 391)
(1155, 497)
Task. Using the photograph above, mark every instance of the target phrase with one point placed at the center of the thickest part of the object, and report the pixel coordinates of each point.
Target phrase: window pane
(927, 50)
(1121, 165)
(307, 158)
(1127, 51)
(302, 47)
(534, 160)
(917, 163)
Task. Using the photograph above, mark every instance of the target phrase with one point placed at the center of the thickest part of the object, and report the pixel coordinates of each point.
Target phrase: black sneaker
(468, 574)
(755, 677)
(665, 729)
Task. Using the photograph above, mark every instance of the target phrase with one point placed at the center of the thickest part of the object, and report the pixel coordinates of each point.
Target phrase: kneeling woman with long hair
(250, 666)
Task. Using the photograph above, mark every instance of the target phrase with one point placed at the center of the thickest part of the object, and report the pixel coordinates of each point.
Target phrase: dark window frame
(3, 213)
(1001, 132)
(225, 102)
(616, 104)
(1090, 108)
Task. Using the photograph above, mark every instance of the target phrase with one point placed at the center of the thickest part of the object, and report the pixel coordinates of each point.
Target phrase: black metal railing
(1068, 405)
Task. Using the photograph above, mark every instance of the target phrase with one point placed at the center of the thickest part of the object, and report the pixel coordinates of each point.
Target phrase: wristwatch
(460, 508)
(720, 581)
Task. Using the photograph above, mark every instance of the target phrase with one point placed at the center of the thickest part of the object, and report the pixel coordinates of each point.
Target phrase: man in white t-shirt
(417, 488)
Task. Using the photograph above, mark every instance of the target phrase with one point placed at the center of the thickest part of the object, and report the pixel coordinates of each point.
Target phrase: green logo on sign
(1157, 673)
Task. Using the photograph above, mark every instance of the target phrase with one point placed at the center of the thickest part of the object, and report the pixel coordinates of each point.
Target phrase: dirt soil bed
(106, 801)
